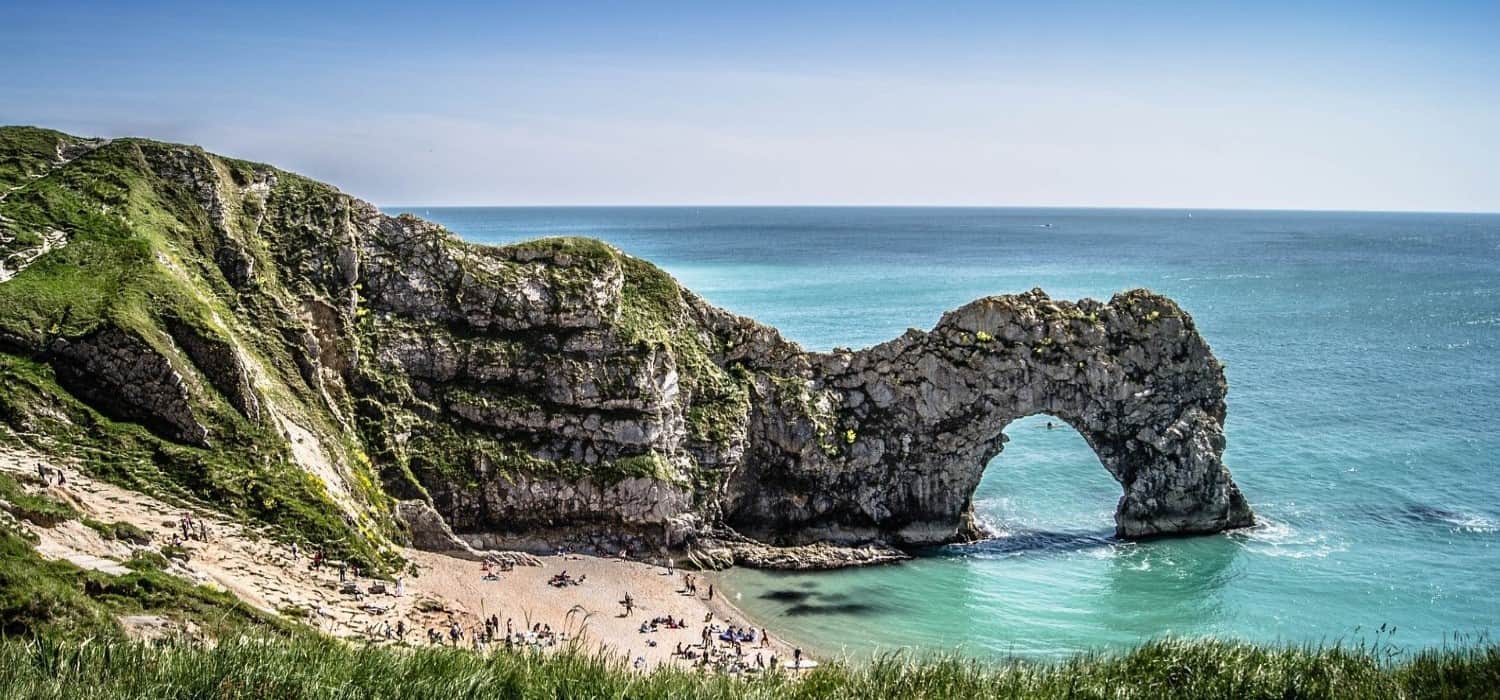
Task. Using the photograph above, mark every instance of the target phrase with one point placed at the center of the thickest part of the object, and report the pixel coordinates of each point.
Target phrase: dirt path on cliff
(444, 590)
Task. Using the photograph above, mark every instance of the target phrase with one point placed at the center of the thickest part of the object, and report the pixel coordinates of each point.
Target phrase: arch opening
(1045, 491)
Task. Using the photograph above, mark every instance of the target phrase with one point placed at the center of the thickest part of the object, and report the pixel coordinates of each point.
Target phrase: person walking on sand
(629, 604)
(710, 591)
(765, 638)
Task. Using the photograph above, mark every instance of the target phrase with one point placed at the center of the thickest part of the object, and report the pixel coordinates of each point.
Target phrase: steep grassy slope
(126, 343)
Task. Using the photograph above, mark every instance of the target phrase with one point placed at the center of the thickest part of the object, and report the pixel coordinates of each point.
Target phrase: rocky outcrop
(430, 533)
(889, 443)
(559, 393)
(220, 364)
(125, 376)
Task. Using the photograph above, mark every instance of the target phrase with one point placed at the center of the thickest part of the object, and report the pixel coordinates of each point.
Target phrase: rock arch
(888, 444)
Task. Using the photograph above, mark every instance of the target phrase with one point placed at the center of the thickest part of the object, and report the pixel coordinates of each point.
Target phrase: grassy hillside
(137, 259)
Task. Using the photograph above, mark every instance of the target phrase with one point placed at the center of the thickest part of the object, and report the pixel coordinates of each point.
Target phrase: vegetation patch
(120, 531)
(38, 596)
(38, 508)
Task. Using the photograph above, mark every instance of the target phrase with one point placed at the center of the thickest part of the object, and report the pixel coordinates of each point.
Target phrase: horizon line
(1095, 207)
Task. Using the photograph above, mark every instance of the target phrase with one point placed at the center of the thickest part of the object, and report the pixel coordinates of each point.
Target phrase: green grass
(37, 508)
(42, 597)
(27, 152)
(120, 531)
(314, 668)
(241, 476)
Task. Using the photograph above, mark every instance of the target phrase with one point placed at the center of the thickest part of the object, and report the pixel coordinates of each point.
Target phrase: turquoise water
(1363, 356)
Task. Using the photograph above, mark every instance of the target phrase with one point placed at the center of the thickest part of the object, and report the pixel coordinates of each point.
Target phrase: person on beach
(765, 638)
(797, 658)
(629, 604)
(710, 591)
(41, 472)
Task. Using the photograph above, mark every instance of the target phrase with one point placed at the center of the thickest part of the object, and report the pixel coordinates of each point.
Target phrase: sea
(1363, 357)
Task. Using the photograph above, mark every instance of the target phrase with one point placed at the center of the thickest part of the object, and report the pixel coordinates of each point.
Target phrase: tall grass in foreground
(316, 668)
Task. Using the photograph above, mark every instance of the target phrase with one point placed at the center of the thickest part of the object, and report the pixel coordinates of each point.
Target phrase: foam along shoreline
(442, 592)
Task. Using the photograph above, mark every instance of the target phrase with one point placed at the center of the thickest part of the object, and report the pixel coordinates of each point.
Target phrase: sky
(1263, 105)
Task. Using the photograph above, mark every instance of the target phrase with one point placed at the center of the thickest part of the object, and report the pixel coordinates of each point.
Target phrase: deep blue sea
(1363, 355)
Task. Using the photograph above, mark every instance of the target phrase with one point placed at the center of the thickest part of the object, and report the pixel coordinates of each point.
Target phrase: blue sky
(1258, 105)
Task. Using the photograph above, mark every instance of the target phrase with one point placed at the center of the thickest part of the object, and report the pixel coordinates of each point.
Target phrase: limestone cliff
(231, 332)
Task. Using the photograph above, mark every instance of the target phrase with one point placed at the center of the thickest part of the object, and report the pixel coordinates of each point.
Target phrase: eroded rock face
(126, 377)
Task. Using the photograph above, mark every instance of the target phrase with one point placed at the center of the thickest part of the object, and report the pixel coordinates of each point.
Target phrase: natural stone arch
(888, 444)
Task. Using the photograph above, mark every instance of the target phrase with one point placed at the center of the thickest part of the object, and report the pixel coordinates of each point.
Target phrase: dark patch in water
(805, 609)
(1420, 514)
(786, 596)
(1033, 541)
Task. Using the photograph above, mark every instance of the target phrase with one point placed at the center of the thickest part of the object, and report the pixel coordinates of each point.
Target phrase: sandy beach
(444, 590)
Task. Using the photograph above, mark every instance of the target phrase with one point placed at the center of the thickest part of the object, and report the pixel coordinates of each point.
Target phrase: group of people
(563, 580)
(660, 621)
(191, 528)
(690, 586)
(490, 571)
(46, 474)
(724, 649)
(736, 635)
(494, 633)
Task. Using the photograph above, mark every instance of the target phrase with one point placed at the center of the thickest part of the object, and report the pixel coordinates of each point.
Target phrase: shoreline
(440, 591)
